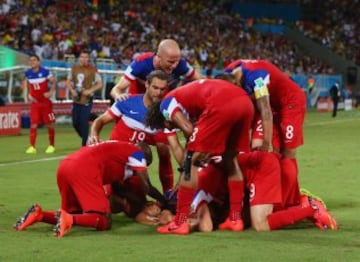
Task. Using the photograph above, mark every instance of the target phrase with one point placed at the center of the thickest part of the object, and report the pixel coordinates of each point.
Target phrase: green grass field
(329, 165)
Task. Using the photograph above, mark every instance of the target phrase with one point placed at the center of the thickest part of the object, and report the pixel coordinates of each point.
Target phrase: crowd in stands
(209, 34)
(335, 24)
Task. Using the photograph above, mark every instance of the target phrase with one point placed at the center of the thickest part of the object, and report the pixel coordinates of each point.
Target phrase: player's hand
(47, 94)
(264, 147)
(32, 99)
(93, 140)
(122, 97)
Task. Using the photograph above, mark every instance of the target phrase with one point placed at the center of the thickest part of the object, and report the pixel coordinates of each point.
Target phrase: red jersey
(116, 160)
(193, 98)
(38, 83)
(258, 73)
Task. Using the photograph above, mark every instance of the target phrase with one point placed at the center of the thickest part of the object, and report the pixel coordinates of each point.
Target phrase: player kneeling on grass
(262, 175)
(80, 179)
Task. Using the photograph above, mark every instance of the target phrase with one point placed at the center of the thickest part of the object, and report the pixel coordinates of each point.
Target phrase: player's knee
(260, 225)
(205, 227)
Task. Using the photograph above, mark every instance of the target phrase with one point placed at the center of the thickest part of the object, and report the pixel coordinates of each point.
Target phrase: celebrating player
(282, 107)
(130, 114)
(223, 114)
(167, 59)
(80, 179)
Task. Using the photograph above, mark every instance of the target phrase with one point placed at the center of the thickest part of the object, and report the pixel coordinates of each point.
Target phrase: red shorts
(80, 187)
(42, 113)
(262, 175)
(223, 126)
(122, 132)
(287, 128)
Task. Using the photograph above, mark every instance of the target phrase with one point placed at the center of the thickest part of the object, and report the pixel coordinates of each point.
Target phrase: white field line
(331, 122)
(60, 157)
(32, 161)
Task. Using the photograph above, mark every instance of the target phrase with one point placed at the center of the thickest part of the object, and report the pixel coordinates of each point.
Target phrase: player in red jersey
(261, 171)
(263, 177)
(167, 59)
(282, 105)
(222, 114)
(39, 93)
(80, 179)
(129, 115)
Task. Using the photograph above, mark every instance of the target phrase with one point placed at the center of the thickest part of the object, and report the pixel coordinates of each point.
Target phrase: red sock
(95, 220)
(33, 133)
(290, 183)
(289, 216)
(166, 172)
(49, 217)
(236, 195)
(185, 196)
(51, 134)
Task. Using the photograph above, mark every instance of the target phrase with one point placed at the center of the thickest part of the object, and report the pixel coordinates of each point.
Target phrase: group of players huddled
(237, 167)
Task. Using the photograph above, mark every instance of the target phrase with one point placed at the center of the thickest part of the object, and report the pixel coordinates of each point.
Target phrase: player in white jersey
(130, 123)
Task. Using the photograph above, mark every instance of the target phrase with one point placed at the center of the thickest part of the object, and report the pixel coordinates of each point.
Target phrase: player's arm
(118, 91)
(197, 76)
(24, 87)
(148, 188)
(176, 148)
(180, 121)
(52, 81)
(263, 105)
(97, 126)
(70, 85)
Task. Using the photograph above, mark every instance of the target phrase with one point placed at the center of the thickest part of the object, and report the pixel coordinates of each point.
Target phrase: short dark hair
(157, 74)
(226, 76)
(36, 56)
(154, 118)
(85, 51)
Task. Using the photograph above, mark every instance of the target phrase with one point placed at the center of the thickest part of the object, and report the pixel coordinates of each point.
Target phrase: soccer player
(83, 82)
(167, 59)
(262, 174)
(222, 114)
(282, 105)
(39, 93)
(130, 114)
(80, 179)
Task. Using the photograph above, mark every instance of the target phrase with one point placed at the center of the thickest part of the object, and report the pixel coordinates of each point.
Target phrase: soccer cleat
(50, 150)
(305, 194)
(31, 150)
(64, 223)
(32, 215)
(233, 225)
(322, 218)
(173, 228)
